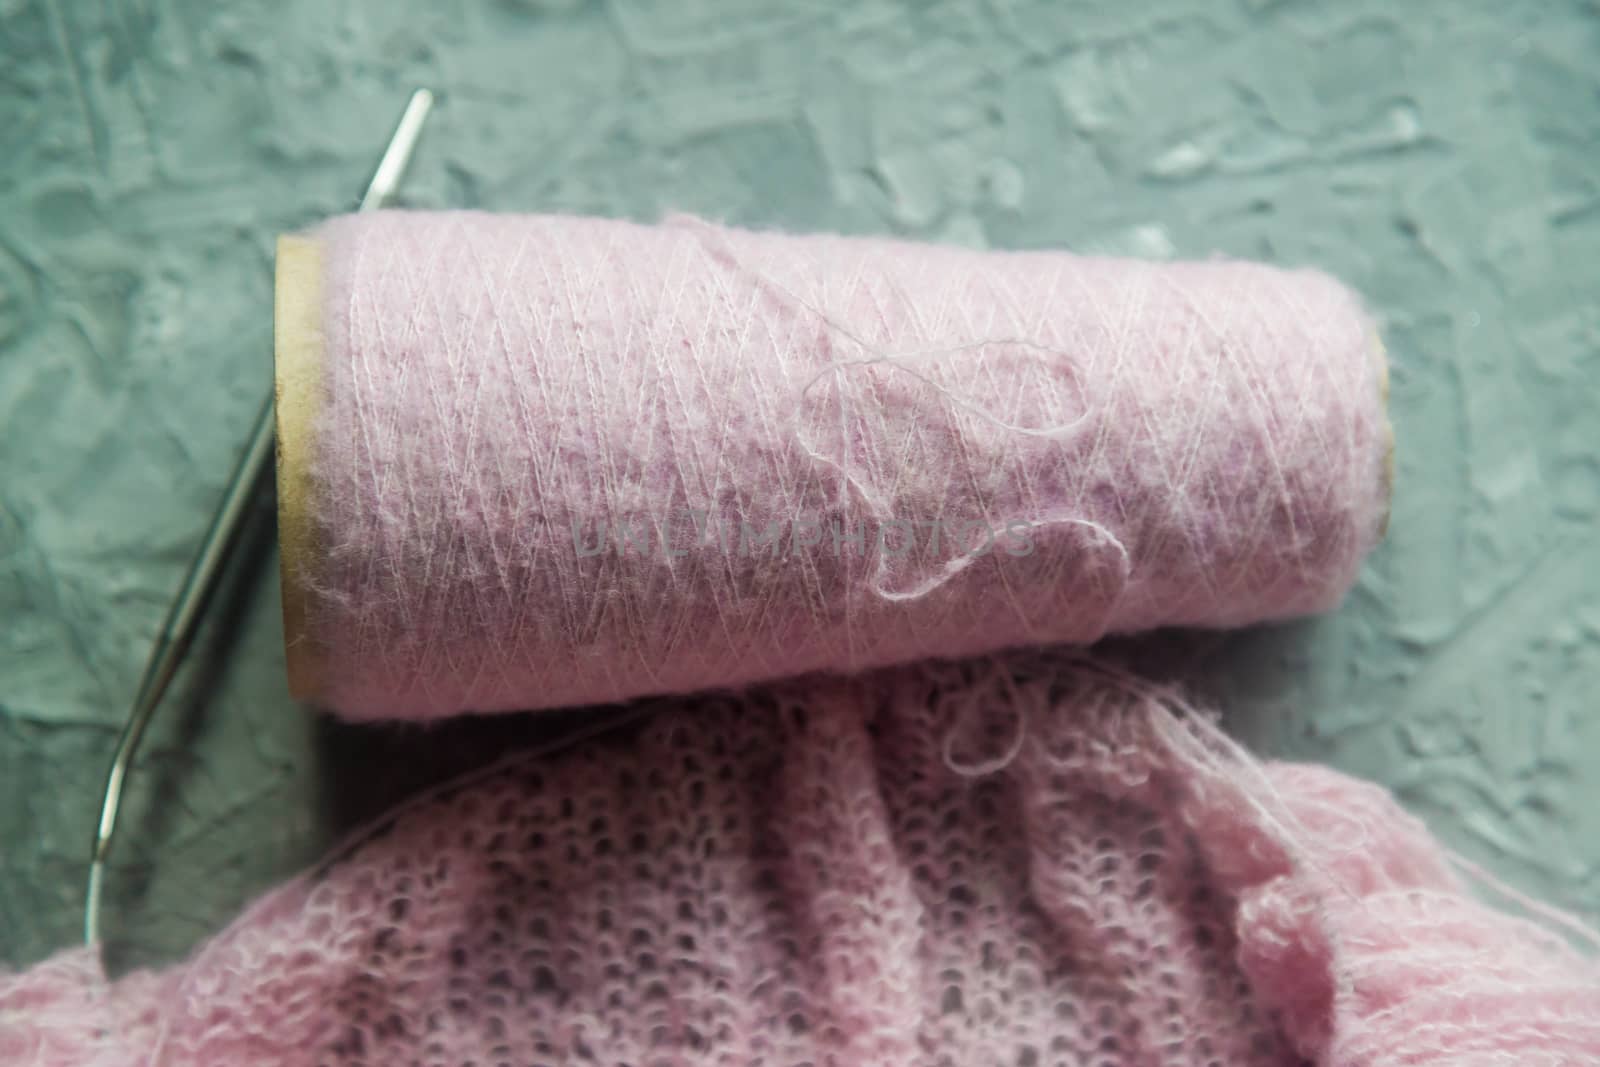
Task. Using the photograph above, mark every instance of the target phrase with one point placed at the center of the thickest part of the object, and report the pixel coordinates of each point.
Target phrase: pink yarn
(815, 875)
(1134, 444)
(1028, 859)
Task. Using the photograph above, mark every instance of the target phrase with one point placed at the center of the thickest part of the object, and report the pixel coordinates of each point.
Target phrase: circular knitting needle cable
(221, 538)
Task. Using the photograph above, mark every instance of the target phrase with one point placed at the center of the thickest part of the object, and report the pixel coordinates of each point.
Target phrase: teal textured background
(1440, 156)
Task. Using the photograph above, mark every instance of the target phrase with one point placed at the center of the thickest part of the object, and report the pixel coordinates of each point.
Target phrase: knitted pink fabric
(1018, 862)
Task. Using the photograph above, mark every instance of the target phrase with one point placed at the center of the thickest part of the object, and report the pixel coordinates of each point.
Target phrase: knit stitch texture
(1018, 861)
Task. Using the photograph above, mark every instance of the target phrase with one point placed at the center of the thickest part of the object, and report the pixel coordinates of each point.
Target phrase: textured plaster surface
(1440, 156)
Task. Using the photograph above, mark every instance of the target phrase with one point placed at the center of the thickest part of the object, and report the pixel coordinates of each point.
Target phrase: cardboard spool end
(297, 385)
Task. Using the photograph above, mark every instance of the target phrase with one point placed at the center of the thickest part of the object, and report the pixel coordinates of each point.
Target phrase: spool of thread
(533, 461)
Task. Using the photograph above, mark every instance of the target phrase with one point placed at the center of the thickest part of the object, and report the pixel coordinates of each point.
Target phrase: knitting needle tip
(395, 158)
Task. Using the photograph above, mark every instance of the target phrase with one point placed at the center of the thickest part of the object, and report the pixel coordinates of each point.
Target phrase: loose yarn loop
(565, 461)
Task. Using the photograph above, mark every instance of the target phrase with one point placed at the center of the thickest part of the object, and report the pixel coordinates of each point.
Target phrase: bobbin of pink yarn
(536, 461)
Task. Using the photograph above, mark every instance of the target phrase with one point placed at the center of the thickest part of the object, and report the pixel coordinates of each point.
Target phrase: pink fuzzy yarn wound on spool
(563, 461)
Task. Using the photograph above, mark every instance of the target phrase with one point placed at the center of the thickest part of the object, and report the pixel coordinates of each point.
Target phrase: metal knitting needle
(221, 538)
